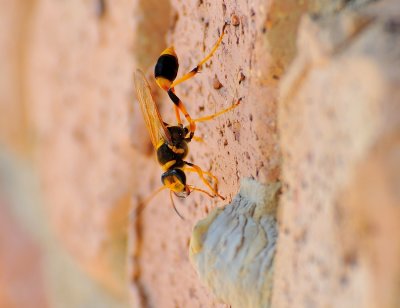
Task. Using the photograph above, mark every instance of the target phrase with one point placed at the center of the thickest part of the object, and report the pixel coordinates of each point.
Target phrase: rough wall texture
(339, 125)
(83, 161)
(242, 143)
(81, 125)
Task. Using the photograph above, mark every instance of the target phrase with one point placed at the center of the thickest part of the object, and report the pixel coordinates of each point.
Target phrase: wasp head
(175, 180)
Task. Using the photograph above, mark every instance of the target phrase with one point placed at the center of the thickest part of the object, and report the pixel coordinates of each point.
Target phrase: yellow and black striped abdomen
(166, 68)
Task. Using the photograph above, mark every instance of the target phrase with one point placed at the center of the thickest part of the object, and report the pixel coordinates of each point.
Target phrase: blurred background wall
(75, 157)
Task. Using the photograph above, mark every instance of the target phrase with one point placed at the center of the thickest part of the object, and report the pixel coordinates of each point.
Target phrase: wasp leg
(215, 180)
(198, 139)
(212, 116)
(201, 173)
(179, 104)
(193, 188)
(199, 66)
(178, 116)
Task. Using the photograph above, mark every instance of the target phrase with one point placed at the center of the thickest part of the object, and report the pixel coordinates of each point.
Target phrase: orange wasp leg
(201, 173)
(212, 116)
(178, 116)
(217, 114)
(200, 190)
(180, 106)
(194, 71)
(198, 139)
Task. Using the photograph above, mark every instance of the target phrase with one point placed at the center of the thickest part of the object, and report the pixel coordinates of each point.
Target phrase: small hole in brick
(235, 20)
(216, 83)
(241, 77)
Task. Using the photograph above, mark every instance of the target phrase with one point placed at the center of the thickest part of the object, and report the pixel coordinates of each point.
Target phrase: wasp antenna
(173, 205)
(202, 191)
(142, 204)
(219, 196)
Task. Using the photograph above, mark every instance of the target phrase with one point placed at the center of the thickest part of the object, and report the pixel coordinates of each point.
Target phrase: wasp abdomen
(166, 68)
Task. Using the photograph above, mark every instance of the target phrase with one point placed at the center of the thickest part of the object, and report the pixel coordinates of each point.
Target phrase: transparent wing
(151, 115)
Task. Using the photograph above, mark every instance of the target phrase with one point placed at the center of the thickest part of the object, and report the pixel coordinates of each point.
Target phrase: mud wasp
(171, 141)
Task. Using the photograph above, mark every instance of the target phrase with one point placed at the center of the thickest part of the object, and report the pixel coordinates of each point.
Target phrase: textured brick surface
(242, 143)
(339, 124)
(67, 107)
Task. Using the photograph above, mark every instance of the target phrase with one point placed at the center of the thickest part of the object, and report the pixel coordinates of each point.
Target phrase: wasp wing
(155, 125)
